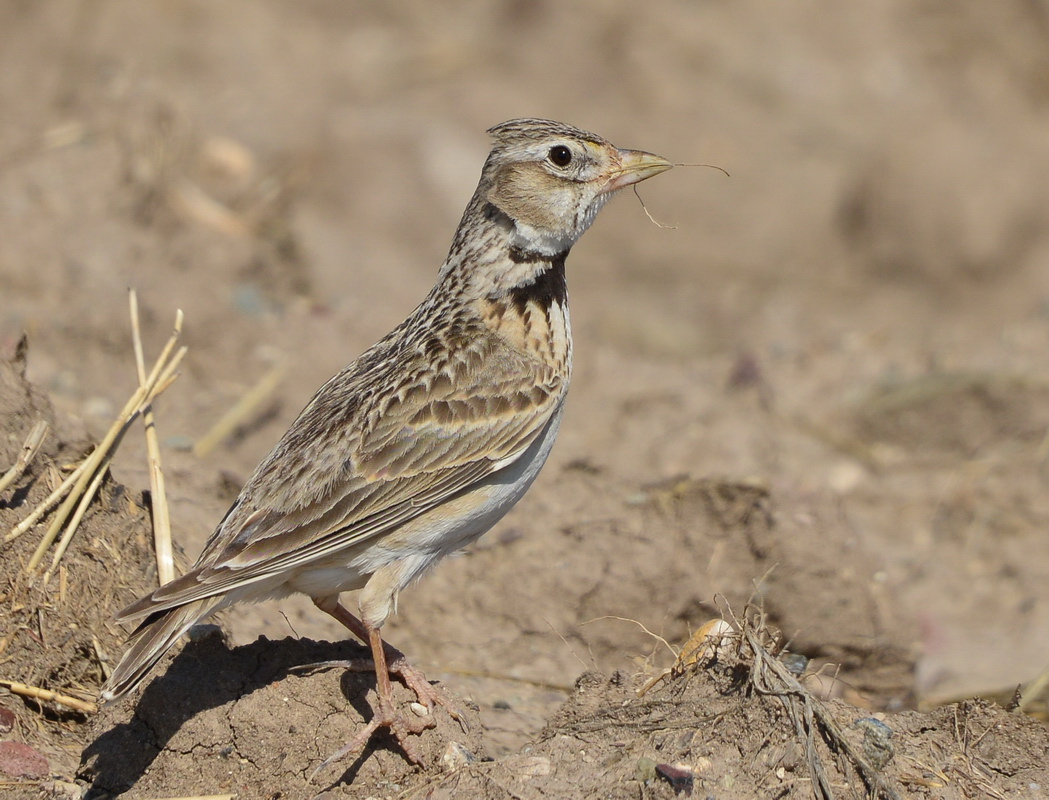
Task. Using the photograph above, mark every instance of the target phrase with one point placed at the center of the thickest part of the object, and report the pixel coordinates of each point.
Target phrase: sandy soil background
(824, 390)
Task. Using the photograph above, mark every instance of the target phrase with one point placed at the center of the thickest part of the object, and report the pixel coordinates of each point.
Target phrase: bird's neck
(519, 292)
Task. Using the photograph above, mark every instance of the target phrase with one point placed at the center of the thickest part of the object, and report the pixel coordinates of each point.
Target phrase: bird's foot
(400, 725)
(428, 694)
(398, 666)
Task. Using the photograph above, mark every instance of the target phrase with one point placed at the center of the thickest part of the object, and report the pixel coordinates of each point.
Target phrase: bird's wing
(353, 466)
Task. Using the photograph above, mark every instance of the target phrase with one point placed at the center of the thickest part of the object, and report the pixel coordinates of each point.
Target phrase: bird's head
(551, 179)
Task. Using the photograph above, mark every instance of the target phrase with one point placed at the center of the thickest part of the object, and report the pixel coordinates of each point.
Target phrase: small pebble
(419, 709)
(795, 663)
(877, 747)
(679, 776)
(66, 790)
(456, 756)
(7, 719)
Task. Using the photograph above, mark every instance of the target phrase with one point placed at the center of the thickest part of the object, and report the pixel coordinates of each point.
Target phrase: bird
(421, 444)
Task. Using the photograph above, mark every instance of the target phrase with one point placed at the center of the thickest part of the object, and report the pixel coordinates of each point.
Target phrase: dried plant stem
(244, 407)
(30, 448)
(769, 676)
(162, 375)
(648, 214)
(81, 509)
(47, 695)
(161, 516)
(47, 503)
(709, 638)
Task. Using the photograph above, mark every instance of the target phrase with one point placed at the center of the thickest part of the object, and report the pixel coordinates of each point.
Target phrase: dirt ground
(817, 404)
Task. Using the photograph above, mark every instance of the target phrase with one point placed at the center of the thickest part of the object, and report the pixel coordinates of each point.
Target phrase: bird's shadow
(206, 674)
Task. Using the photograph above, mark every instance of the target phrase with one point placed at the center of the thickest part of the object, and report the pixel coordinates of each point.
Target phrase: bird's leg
(386, 661)
(400, 725)
(396, 662)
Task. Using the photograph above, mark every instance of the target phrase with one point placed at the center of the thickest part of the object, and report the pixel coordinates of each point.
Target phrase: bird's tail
(150, 641)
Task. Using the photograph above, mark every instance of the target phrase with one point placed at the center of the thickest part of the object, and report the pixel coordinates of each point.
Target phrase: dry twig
(79, 489)
(47, 695)
(30, 448)
(708, 639)
(243, 408)
(161, 517)
(770, 677)
(47, 504)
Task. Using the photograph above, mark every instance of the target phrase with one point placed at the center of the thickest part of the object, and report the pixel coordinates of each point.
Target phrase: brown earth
(823, 393)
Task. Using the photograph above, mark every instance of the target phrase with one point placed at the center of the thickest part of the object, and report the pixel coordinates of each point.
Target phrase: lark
(425, 441)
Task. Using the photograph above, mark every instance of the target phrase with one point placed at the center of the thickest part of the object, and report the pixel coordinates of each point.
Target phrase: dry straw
(161, 517)
(46, 695)
(30, 448)
(241, 411)
(80, 488)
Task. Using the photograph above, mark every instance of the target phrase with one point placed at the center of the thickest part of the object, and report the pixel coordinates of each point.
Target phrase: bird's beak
(634, 166)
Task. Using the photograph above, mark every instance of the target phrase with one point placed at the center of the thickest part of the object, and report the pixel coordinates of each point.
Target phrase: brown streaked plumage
(420, 445)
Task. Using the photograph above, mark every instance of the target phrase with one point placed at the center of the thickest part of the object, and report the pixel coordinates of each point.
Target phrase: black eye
(560, 155)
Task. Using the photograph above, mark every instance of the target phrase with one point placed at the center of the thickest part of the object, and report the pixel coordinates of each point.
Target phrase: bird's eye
(560, 155)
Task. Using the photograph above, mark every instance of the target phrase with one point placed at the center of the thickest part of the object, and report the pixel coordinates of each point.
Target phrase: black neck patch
(520, 256)
(547, 287)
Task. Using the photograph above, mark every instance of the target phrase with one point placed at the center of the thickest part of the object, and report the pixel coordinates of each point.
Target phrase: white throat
(532, 240)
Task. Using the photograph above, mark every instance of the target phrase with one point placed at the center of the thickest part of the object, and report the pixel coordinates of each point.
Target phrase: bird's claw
(400, 726)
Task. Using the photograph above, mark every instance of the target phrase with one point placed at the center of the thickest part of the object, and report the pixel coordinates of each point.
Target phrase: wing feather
(352, 468)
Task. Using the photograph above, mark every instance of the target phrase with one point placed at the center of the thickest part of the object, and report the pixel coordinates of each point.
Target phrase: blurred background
(852, 328)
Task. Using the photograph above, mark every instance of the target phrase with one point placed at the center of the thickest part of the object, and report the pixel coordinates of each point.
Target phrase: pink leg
(386, 661)
(397, 663)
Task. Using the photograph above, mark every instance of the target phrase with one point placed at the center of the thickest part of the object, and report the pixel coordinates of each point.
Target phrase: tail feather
(150, 641)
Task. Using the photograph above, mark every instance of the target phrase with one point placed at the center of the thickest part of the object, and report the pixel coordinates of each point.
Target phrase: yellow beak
(635, 166)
